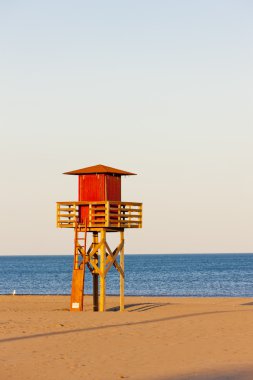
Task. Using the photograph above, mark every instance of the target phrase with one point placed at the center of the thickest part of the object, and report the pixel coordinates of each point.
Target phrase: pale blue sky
(160, 88)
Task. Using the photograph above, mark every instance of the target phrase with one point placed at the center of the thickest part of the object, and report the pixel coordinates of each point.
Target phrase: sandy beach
(155, 338)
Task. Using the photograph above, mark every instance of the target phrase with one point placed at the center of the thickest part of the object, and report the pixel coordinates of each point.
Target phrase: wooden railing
(108, 214)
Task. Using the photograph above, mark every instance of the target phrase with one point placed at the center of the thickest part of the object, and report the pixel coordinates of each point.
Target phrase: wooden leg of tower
(95, 276)
(122, 276)
(95, 291)
(102, 271)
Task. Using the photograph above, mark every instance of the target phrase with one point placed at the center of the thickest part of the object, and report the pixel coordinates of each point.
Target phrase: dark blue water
(204, 275)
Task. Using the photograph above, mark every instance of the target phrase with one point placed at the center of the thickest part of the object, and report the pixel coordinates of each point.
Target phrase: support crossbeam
(111, 259)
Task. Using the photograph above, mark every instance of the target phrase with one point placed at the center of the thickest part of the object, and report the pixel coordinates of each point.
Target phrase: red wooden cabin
(97, 184)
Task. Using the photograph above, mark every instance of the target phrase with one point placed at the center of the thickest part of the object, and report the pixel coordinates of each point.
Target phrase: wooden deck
(109, 214)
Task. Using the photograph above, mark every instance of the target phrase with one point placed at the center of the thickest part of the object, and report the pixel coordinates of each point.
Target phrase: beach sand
(155, 338)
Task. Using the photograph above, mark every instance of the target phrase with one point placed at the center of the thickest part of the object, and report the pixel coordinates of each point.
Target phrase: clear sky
(160, 88)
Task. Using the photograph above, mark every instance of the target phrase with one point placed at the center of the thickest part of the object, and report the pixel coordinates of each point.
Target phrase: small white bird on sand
(14, 292)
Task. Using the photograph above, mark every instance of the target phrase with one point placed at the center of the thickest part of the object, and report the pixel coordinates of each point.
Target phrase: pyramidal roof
(99, 169)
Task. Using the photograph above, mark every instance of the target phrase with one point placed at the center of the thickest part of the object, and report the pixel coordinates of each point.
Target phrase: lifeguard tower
(99, 210)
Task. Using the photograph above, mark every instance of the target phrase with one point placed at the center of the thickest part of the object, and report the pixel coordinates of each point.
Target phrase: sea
(173, 275)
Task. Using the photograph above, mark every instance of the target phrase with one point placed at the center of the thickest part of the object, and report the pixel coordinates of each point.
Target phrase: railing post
(107, 214)
(119, 216)
(76, 214)
(57, 214)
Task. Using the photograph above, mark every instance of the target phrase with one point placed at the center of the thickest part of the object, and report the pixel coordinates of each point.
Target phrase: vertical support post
(57, 215)
(122, 276)
(95, 275)
(102, 271)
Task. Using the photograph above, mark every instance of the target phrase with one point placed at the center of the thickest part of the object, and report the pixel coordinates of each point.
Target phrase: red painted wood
(113, 188)
(92, 187)
(97, 187)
